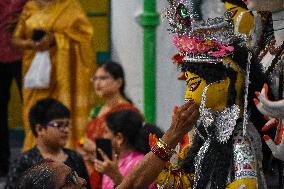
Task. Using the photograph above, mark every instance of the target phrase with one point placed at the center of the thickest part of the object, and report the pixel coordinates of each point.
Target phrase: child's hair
(46, 110)
(133, 128)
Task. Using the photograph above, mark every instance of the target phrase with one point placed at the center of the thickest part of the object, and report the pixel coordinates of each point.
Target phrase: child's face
(56, 132)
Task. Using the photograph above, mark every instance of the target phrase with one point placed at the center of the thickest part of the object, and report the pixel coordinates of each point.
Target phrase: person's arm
(27, 44)
(19, 40)
(149, 168)
(23, 44)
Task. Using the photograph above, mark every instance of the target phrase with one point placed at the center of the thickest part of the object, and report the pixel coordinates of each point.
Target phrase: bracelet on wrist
(162, 150)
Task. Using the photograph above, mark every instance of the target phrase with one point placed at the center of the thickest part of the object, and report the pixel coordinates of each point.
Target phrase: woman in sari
(129, 136)
(109, 83)
(67, 35)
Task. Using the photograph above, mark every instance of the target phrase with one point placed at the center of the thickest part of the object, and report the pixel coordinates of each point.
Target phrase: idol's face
(264, 5)
(217, 94)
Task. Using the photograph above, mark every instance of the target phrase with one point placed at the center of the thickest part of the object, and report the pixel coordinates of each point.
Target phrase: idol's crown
(201, 40)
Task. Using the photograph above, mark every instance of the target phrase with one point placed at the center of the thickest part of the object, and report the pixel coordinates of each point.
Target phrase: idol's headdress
(200, 41)
(205, 41)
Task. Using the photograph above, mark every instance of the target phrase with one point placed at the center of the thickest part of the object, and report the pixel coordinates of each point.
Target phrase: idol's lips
(194, 85)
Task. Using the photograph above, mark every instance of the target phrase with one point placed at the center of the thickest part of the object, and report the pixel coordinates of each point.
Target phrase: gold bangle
(168, 149)
(162, 150)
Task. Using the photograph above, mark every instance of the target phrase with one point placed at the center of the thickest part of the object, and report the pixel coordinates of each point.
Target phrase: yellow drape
(71, 57)
(243, 19)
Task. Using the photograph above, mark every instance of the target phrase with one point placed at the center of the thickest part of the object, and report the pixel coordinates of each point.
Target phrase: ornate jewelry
(224, 121)
(162, 150)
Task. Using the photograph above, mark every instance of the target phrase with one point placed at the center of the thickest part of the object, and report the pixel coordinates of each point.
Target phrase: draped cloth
(71, 58)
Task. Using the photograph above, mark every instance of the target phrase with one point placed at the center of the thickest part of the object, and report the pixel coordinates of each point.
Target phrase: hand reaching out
(267, 107)
(183, 120)
(276, 146)
(86, 147)
(274, 113)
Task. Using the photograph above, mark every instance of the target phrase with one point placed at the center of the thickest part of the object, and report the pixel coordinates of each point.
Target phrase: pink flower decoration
(195, 46)
(219, 53)
(229, 48)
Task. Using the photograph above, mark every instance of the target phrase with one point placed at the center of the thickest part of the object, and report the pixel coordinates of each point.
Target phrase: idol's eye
(194, 85)
(191, 80)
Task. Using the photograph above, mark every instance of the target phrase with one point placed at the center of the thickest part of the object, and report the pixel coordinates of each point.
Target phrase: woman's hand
(89, 145)
(183, 120)
(109, 167)
(46, 42)
(145, 172)
(87, 150)
(23, 44)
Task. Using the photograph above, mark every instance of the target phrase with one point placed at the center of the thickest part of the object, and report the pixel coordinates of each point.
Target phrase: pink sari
(126, 164)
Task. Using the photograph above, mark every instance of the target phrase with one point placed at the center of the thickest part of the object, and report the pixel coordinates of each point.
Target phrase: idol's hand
(276, 146)
(183, 120)
(274, 113)
(273, 109)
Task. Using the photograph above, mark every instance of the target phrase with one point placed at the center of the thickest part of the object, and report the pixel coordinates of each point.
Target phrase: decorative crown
(201, 40)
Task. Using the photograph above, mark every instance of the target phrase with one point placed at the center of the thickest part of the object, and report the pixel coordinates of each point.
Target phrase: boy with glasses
(50, 124)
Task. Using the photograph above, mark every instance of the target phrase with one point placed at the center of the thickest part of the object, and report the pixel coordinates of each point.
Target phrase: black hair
(40, 175)
(257, 79)
(215, 163)
(266, 31)
(116, 71)
(214, 72)
(133, 128)
(219, 155)
(46, 110)
(239, 3)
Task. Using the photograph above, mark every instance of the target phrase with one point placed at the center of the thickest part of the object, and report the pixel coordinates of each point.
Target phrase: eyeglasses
(59, 124)
(101, 78)
(71, 179)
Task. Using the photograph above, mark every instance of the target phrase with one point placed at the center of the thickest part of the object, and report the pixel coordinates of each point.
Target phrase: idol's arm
(149, 168)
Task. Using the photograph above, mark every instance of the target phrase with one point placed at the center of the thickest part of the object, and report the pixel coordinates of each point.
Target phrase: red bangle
(162, 150)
